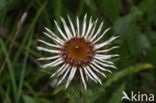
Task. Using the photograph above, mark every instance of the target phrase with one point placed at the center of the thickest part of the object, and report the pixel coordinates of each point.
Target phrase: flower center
(78, 52)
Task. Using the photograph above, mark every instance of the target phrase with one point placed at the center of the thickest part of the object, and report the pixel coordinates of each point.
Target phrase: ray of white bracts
(99, 64)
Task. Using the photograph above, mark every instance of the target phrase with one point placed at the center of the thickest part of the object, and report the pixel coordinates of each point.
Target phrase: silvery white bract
(78, 51)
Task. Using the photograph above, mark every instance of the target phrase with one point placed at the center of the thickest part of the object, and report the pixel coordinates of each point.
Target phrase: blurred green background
(22, 23)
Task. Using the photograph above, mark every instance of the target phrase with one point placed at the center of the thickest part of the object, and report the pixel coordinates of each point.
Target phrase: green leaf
(28, 99)
(43, 100)
(147, 5)
(111, 8)
(123, 24)
(23, 70)
(127, 71)
(3, 3)
(136, 39)
(28, 33)
(117, 95)
(10, 69)
(116, 76)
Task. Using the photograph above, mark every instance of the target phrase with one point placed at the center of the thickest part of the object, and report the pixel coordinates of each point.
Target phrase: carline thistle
(78, 50)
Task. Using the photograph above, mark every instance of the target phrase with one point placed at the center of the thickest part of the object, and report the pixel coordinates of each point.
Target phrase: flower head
(78, 50)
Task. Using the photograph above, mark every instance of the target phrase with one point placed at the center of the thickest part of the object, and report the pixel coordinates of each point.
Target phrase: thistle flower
(78, 50)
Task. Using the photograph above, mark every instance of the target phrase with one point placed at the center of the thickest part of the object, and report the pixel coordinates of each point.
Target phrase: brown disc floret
(78, 52)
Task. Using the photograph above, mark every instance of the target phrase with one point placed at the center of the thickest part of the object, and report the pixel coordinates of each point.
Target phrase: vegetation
(22, 23)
